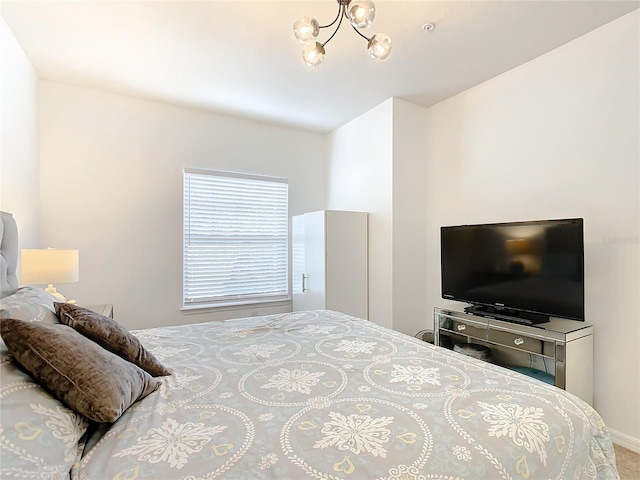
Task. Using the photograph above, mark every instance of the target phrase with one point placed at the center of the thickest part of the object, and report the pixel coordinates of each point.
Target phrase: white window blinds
(235, 238)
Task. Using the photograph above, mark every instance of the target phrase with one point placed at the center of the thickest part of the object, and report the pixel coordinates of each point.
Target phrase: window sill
(221, 307)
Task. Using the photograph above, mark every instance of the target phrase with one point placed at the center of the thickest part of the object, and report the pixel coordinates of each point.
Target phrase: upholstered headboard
(8, 254)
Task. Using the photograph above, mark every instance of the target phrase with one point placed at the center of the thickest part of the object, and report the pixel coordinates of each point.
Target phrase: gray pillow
(89, 379)
(29, 303)
(109, 334)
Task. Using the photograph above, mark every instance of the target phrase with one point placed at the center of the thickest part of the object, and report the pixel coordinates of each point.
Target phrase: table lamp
(49, 266)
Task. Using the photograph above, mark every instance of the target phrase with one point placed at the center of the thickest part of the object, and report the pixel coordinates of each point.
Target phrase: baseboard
(626, 441)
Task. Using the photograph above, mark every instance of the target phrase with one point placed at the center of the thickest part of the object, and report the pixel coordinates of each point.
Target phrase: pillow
(40, 436)
(89, 379)
(28, 303)
(109, 334)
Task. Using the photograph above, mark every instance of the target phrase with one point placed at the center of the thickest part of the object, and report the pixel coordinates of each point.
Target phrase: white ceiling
(241, 58)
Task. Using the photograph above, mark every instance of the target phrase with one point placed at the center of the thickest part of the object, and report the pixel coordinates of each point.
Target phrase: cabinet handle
(462, 327)
(518, 341)
(304, 288)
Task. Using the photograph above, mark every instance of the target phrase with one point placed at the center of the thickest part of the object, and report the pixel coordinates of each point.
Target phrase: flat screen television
(525, 271)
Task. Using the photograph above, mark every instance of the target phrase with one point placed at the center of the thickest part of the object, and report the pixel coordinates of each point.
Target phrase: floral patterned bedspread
(320, 394)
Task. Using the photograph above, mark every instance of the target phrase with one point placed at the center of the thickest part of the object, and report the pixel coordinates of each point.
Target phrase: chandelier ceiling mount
(360, 14)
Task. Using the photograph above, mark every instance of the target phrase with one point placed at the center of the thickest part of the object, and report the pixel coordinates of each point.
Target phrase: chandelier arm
(335, 20)
(341, 15)
(358, 32)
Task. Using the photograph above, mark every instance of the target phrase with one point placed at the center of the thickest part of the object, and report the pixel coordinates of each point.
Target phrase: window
(235, 239)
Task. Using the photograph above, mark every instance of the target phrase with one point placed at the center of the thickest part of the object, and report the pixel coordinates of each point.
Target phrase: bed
(313, 394)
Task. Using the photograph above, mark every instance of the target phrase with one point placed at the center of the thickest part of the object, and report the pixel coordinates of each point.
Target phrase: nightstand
(106, 310)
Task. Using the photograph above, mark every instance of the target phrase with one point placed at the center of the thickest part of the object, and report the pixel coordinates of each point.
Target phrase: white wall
(20, 188)
(410, 311)
(557, 137)
(377, 165)
(111, 186)
(360, 179)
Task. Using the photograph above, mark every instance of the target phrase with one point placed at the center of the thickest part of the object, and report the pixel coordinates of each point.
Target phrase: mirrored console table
(560, 349)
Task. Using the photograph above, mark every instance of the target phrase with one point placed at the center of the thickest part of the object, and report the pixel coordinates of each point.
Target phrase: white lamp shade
(48, 266)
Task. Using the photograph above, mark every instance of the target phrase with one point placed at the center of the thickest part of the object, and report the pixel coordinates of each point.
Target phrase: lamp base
(51, 290)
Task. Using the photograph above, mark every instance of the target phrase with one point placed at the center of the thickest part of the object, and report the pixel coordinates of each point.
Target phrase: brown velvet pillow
(109, 334)
(89, 379)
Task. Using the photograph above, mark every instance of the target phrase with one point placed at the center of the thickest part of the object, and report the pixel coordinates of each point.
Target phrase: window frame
(240, 301)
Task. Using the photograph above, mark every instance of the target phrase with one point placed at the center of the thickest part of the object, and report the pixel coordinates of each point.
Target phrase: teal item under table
(532, 372)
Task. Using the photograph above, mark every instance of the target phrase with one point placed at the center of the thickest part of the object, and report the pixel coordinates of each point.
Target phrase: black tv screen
(517, 268)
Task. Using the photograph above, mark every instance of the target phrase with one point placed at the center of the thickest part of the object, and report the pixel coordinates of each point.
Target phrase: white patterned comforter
(323, 395)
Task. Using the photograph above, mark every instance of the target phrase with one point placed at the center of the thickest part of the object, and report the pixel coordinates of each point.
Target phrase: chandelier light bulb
(313, 54)
(306, 28)
(380, 46)
(361, 13)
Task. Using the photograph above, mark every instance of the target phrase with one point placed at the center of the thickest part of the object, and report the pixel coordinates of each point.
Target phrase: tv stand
(508, 315)
(559, 348)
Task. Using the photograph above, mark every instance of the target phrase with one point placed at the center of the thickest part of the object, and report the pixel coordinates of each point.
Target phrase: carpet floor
(628, 463)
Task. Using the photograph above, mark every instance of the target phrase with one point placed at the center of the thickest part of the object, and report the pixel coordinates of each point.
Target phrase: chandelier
(360, 14)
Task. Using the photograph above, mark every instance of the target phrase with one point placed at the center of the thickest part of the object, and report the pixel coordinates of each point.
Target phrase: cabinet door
(309, 231)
